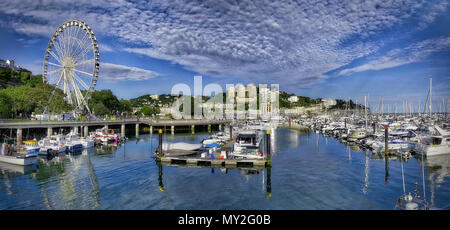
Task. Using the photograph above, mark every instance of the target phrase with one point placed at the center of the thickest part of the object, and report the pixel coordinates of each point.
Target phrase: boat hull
(18, 160)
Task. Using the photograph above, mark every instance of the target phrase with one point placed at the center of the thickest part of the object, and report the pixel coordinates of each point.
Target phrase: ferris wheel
(72, 63)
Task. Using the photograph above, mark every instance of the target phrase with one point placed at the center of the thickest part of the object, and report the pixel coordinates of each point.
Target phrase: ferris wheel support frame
(69, 46)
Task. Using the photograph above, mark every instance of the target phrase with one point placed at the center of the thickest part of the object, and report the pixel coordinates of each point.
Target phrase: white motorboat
(19, 160)
(437, 144)
(393, 145)
(30, 147)
(248, 145)
(106, 135)
(182, 146)
(356, 135)
(47, 144)
(85, 142)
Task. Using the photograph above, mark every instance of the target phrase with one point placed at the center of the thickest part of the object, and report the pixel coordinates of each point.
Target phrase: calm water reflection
(308, 171)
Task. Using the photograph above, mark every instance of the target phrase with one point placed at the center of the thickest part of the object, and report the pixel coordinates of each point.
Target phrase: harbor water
(309, 171)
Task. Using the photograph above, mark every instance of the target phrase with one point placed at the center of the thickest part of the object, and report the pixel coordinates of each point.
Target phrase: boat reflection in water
(438, 168)
(310, 171)
(12, 169)
(68, 170)
(246, 172)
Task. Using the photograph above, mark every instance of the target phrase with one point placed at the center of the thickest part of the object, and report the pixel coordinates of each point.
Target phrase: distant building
(9, 64)
(327, 103)
(293, 99)
(165, 110)
(136, 109)
(154, 96)
(294, 111)
(3, 64)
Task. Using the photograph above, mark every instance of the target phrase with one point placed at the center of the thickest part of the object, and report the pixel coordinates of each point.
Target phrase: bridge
(85, 126)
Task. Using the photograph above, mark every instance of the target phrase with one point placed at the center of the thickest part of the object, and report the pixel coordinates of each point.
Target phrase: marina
(304, 166)
(242, 105)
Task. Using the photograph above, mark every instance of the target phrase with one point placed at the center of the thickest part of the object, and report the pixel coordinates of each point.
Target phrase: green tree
(99, 109)
(148, 111)
(5, 105)
(107, 98)
(125, 106)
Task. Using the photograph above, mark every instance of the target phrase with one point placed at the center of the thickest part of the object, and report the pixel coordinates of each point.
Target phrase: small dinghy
(180, 146)
(19, 160)
(180, 149)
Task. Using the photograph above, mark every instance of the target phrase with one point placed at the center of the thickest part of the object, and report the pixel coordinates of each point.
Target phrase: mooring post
(268, 147)
(122, 130)
(231, 131)
(192, 129)
(172, 129)
(81, 131)
(137, 129)
(386, 140)
(49, 131)
(160, 140)
(19, 136)
(151, 129)
(86, 131)
(209, 128)
(220, 127)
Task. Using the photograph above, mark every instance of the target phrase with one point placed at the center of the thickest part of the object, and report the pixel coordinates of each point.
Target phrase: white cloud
(114, 72)
(105, 48)
(293, 43)
(397, 57)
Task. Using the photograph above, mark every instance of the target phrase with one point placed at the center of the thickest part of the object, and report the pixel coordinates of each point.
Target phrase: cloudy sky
(325, 49)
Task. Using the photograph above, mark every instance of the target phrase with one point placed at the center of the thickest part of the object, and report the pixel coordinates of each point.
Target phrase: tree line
(22, 93)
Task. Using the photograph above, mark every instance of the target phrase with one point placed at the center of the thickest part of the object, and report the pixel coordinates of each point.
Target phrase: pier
(215, 160)
(206, 162)
(83, 127)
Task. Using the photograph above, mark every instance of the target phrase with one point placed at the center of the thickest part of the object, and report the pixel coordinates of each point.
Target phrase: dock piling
(386, 140)
(122, 130)
(268, 147)
(137, 129)
(231, 131)
(19, 136)
(160, 140)
(49, 131)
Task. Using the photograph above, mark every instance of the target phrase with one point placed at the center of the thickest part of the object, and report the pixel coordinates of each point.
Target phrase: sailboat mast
(430, 98)
(365, 109)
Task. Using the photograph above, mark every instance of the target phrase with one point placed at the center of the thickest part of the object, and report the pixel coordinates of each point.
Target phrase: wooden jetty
(216, 161)
(83, 127)
(207, 162)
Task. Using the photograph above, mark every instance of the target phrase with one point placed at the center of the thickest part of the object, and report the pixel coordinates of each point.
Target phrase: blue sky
(387, 49)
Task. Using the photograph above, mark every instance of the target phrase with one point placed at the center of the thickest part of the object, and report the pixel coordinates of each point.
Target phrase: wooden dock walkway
(208, 162)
